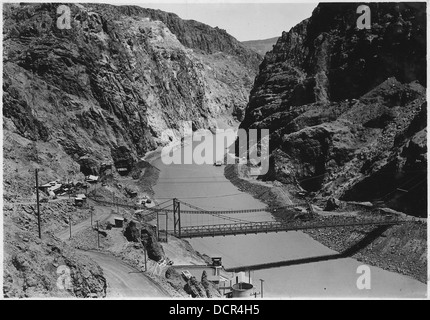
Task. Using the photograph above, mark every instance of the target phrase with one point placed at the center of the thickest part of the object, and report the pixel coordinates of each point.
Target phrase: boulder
(132, 232)
(332, 204)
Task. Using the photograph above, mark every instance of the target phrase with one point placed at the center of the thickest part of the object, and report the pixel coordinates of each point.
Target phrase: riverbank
(401, 249)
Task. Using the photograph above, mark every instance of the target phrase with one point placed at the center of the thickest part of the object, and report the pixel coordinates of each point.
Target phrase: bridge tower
(177, 217)
(161, 232)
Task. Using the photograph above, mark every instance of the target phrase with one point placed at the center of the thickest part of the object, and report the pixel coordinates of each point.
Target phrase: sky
(244, 21)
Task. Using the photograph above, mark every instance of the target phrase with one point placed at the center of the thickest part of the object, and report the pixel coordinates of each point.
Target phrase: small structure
(51, 187)
(106, 165)
(242, 290)
(83, 197)
(122, 171)
(119, 222)
(216, 261)
(92, 179)
(45, 187)
(79, 202)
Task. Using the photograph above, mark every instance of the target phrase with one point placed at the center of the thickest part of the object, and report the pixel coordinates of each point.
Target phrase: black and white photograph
(214, 150)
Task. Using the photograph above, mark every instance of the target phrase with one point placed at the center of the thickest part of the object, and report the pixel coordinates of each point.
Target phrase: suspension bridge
(209, 223)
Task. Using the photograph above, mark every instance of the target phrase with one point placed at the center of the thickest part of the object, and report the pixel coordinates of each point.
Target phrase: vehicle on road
(218, 163)
(186, 275)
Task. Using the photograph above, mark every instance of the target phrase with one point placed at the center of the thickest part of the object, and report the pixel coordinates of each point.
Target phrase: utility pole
(37, 200)
(177, 221)
(261, 287)
(166, 227)
(98, 235)
(70, 227)
(144, 250)
(158, 227)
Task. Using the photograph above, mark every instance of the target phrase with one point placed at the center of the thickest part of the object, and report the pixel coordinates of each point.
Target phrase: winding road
(123, 280)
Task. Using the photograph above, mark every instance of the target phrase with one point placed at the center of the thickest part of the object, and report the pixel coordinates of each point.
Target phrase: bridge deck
(270, 226)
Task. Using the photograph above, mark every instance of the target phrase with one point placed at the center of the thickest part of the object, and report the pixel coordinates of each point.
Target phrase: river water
(205, 186)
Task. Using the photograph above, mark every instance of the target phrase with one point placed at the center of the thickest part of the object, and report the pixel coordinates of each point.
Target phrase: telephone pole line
(98, 235)
(261, 287)
(70, 227)
(37, 200)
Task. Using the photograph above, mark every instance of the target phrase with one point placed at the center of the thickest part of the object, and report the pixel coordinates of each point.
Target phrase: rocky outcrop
(48, 268)
(261, 46)
(344, 106)
(132, 232)
(197, 35)
(107, 89)
(195, 288)
(152, 246)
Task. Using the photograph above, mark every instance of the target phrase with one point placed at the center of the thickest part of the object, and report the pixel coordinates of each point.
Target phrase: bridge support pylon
(177, 217)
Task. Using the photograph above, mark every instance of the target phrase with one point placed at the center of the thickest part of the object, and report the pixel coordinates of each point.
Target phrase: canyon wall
(346, 107)
(107, 89)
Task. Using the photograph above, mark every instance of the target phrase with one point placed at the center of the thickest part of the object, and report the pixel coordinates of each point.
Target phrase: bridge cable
(214, 214)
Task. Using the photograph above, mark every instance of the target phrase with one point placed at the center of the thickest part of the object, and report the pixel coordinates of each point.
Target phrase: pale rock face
(116, 80)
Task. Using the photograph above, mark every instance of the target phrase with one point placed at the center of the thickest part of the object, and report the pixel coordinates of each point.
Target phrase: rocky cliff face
(261, 46)
(102, 92)
(346, 107)
(106, 89)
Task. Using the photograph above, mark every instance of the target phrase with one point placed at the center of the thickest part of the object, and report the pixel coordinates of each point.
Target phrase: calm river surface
(206, 187)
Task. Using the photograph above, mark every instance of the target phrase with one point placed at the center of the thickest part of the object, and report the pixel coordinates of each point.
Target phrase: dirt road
(101, 216)
(123, 280)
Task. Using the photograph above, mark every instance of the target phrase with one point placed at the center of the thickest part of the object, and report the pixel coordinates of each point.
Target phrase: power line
(192, 182)
(214, 215)
(162, 203)
(395, 190)
(416, 185)
(206, 197)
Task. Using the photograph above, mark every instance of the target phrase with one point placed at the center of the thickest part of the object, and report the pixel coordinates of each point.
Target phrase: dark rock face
(332, 204)
(261, 46)
(123, 158)
(111, 85)
(132, 232)
(153, 247)
(344, 105)
(88, 166)
(195, 288)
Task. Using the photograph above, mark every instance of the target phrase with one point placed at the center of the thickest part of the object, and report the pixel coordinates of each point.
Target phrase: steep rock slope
(261, 46)
(103, 91)
(346, 107)
(107, 89)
